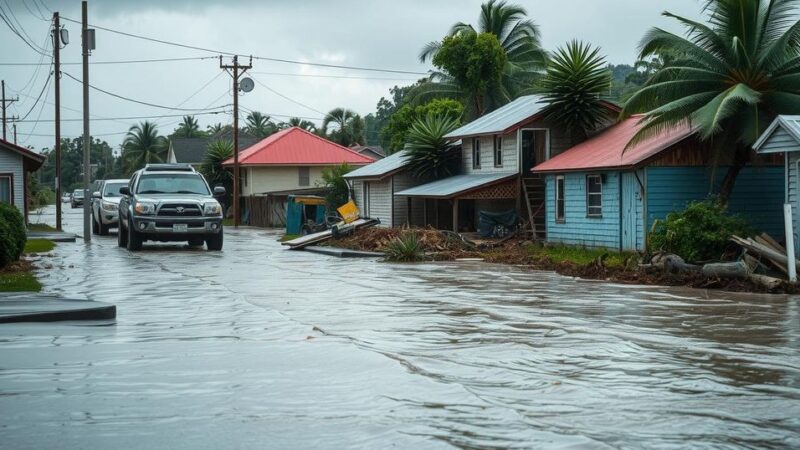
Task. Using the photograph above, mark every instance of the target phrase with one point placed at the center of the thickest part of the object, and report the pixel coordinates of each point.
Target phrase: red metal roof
(296, 146)
(34, 159)
(605, 151)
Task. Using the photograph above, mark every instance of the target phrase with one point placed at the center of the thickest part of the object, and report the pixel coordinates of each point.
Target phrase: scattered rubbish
(316, 238)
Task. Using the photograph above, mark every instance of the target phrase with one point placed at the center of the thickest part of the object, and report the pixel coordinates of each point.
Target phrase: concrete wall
(260, 179)
(12, 163)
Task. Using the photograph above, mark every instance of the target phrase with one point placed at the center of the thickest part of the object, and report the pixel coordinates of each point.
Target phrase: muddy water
(259, 347)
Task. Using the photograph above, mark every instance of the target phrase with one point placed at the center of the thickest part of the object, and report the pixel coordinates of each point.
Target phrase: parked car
(77, 198)
(66, 198)
(105, 205)
(169, 202)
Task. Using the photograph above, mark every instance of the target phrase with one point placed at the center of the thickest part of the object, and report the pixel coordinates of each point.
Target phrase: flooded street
(257, 347)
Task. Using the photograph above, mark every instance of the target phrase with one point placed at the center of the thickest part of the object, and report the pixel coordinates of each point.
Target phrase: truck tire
(95, 228)
(102, 229)
(122, 236)
(134, 240)
(214, 241)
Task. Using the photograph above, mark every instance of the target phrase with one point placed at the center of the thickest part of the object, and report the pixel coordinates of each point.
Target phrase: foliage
(188, 128)
(40, 227)
(728, 79)
(259, 125)
(475, 63)
(344, 127)
(430, 154)
(401, 121)
(143, 145)
(216, 128)
(581, 255)
(698, 233)
(213, 170)
(384, 111)
(12, 234)
(300, 123)
(19, 282)
(575, 81)
(39, 246)
(524, 59)
(40, 195)
(72, 164)
(338, 189)
(405, 248)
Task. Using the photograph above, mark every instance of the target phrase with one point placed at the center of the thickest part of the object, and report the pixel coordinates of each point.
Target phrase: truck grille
(180, 210)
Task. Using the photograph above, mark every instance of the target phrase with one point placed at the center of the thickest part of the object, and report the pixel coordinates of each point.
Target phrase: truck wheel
(95, 228)
(102, 229)
(134, 239)
(214, 241)
(196, 242)
(122, 236)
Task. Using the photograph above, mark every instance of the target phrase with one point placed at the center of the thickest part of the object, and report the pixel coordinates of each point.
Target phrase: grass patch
(39, 246)
(227, 222)
(40, 227)
(19, 282)
(288, 237)
(581, 256)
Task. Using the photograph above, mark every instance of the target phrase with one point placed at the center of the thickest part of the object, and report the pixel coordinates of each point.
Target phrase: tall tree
(732, 75)
(143, 145)
(215, 129)
(429, 153)
(344, 127)
(301, 123)
(218, 152)
(188, 128)
(259, 125)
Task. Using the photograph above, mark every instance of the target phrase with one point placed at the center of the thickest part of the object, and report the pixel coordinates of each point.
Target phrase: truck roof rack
(168, 168)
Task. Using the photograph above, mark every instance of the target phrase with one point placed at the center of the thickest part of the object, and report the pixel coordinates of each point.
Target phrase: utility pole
(87, 40)
(15, 133)
(237, 71)
(5, 101)
(57, 81)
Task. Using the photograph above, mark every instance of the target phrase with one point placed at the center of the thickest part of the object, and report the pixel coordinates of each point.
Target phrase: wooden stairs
(534, 188)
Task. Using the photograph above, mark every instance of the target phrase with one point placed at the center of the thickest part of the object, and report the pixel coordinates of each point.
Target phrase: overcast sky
(379, 34)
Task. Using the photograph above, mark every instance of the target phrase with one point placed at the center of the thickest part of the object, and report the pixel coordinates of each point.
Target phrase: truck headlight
(108, 206)
(212, 209)
(144, 208)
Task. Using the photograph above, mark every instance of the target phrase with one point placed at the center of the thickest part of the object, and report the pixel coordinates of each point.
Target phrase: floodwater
(260, 347)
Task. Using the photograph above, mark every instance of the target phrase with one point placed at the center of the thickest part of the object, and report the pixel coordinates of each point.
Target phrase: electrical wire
(29, 42)
(128, 61)
(46, 83)
(288, 98)
(38, 116)
(131, 117)
(311, 75)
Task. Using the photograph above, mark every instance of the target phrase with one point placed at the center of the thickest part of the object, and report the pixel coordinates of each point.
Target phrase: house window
(6, 189)
(560, 205)
(498, 151)
(476, 153)
(304, 176)
(594, 196)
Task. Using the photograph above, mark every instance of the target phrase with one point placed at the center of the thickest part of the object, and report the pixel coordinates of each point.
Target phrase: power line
(14, 30)
(132, 117)
(347, 77)
(127, 61)
(263, 58)
(171, 108)
(287, 98)
(36, 102)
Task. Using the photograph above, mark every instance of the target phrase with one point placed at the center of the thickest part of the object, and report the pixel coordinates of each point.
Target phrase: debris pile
(434, 242)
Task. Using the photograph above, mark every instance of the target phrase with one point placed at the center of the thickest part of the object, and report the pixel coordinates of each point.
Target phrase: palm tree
(576, 79)
(259, 125)
(188, 128)
(218, 152)
(731, 77)
(429, 153)
(348, 127)
(301, 123)
(520, 39)
(215, 129)
(143, 145)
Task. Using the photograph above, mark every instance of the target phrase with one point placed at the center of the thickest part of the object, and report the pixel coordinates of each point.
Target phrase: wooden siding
(380, 201)
(510, 154)
(781, 141)
(402, 181)
(633, 232)
(261, 179)
(12, 163)
(758, 194)
(357, 194)
(792, 160)
(577, 229)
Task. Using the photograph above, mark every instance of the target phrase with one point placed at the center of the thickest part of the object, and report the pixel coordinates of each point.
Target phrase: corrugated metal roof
(296, 146)
(381, 167)
(789, 123)
(607, 149)
(452, 186)
(503, 118)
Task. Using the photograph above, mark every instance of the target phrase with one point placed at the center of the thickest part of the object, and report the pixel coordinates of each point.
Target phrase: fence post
(788, 226)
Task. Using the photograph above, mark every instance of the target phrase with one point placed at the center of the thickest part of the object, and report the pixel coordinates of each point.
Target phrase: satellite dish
(246, 85)
(64, 36)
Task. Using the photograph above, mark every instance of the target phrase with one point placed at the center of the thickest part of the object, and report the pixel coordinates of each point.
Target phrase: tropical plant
(188, 128)
(396, 130)
(405, 248)
(143, 145)
(259, 125)
(730, 77)
(344, 127)
(575, 81)
(429, 153)
(213, 170)
(524, 57)
(215, 129)
(338, 189)
(301, 123)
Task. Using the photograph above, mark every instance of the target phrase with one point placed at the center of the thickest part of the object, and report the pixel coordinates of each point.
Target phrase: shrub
(12, 234)
(405, 248)
(338, 190)
(698, 233)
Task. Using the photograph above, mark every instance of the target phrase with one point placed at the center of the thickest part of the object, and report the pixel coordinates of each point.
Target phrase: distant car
(169, 202)
(66, 198)
(105, 205)
(77, 198)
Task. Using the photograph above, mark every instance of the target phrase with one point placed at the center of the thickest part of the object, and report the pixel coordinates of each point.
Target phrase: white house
(15, 164)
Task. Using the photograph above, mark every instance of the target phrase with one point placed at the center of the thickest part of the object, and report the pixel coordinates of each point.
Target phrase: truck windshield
(77, 193)
(112, 189)
(172, 184)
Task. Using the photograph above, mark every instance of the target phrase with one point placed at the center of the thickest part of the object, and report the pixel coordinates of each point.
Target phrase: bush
(338, 190)
(406, 248)
(12, 234)
(698, 233)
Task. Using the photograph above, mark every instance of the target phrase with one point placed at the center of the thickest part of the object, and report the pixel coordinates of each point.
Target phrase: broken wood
(762, 250)
(736, 269)
(767, 241)
(769, 283)
(674, 264)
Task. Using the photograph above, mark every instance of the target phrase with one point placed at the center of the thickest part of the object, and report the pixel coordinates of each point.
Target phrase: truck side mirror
(125, 190)
(219, 191)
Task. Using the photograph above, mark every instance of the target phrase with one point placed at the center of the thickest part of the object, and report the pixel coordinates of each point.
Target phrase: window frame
(560, 198)
(476, 153)
(307, 170)
(10, 177)
(589, 214)
(498, 150)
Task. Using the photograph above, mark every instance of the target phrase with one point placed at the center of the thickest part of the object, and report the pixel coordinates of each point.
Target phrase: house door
(534, 147)
(631, 212)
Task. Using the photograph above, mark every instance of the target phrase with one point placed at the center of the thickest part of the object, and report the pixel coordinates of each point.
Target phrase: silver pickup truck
(169, 202)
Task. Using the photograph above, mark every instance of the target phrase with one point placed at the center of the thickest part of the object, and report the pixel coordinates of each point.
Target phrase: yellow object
(309, 200)
(349, 212)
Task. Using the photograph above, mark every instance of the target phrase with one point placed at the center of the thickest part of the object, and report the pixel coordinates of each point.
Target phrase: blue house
(597, 194)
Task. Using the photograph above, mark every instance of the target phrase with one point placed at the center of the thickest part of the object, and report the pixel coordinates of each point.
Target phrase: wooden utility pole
(5, 101)
(15, 134)
(57, 82)
(87, 140)
(236, 71)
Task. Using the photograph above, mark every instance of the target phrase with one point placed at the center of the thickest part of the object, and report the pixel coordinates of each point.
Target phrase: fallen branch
(736, 269)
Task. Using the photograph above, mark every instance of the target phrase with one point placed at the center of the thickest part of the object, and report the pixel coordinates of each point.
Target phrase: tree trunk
(740, 158)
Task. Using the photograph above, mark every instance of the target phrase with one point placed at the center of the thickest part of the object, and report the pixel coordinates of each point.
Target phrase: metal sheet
(503, 118)
(381, 167)
(452, 186)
